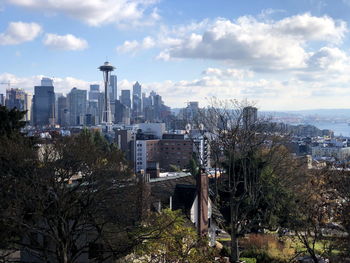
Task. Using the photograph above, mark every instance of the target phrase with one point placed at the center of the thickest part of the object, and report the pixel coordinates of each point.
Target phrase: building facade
(77, 106)
(44, 105)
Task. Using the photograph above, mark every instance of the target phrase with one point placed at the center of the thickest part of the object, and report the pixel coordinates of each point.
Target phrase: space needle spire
(106, 69)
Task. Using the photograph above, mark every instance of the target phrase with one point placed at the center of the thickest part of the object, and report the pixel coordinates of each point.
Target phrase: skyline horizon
(127, 85)
(30, 89)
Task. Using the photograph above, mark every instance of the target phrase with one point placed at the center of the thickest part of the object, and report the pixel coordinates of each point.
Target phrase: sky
(280, 55)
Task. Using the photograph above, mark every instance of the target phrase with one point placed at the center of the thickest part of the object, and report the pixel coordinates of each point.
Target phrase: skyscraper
(94, 92)
(250, 116)
(28, 99)
(122, 113)
(113, 88)
(77, 106)
(15, 98)
(93, 111)
(19, 99)
(44, 104)
(191, 111)
(136, 100)
(136, 89)
(62, 111)
(46, 82)
(93, 104)
(101, 103)
(125, 98)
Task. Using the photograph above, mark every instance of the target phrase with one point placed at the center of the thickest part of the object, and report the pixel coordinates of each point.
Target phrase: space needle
(106, 69)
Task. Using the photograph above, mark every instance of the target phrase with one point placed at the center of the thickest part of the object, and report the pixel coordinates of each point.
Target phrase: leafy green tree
(193, 166)
(11, 121)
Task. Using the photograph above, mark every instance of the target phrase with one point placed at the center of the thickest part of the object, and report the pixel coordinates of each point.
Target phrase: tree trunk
(234, 246)
(313, 256)
(63, 255)
(234, 239)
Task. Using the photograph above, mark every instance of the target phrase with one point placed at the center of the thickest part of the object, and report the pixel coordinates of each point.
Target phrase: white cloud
(327, 63)
(258, 44)
(329, 58)
(96, 12)
(228, 73)
(135, 46)
(62, 85)
(20, 32)
(65, 42)
(307, 27)
(270, 94)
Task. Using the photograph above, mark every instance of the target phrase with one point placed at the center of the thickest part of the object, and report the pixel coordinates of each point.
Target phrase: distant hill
(319, 112)
(325, 112)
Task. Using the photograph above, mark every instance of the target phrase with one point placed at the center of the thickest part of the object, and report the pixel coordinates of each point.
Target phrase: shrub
(249, 260)
(267, 248)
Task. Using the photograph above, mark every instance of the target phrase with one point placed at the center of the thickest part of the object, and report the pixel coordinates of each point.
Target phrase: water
(340, 129)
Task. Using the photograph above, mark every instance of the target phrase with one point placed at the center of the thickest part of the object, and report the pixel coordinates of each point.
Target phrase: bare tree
(245, 149)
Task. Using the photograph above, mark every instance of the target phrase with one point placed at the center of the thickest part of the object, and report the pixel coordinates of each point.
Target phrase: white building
(339, 153)
(141, 155)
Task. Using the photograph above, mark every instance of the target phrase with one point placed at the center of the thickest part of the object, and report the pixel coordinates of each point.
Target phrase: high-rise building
(122, 113)
(101, 103)
(125, 98)
(94, 112)
(15, 98)
(136, 89)
(157, 103)
(136, 100)
(28, 106)
(57, 95)
(191, 111)
(2, 100)
(77, 106)
(94, 92)
(46, 82)
(250, 116)
(62, 111)
(113, 88)
(19, 99)
(44, 104)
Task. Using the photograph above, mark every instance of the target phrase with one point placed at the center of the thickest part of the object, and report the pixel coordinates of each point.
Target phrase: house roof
(163, 189)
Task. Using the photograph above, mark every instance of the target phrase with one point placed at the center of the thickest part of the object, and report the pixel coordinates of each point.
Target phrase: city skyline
(285, 56)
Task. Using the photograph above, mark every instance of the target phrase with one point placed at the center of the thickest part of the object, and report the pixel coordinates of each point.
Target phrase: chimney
(203, 198)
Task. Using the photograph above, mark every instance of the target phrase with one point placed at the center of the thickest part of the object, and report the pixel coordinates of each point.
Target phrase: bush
(249, 260)
(267, 248)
